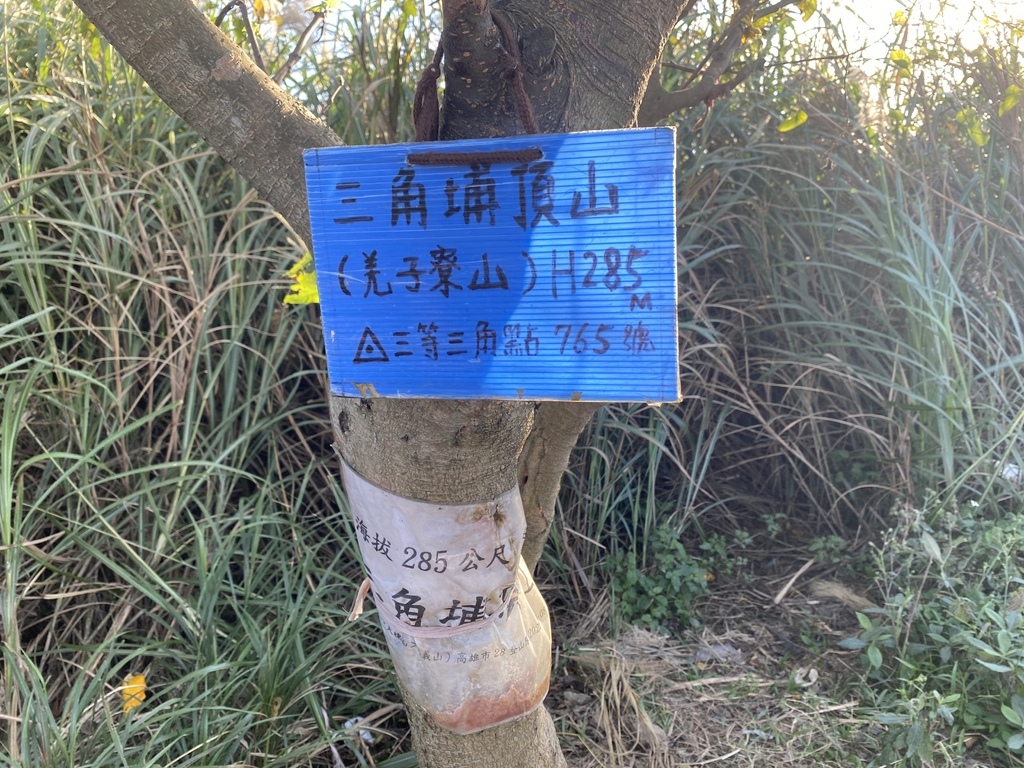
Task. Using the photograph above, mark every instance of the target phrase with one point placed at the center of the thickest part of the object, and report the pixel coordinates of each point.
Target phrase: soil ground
(761, 683)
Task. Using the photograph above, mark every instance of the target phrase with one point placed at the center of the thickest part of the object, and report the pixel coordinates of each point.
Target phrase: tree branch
(556, 427)
(774, 8)
(659, 103)
(218, 90)
(300, 45)
(249, 32)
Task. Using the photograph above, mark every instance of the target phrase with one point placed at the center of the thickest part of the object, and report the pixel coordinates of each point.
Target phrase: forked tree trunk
(586, 65)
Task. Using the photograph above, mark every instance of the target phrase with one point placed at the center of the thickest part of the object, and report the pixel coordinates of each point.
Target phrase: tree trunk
(585, 67)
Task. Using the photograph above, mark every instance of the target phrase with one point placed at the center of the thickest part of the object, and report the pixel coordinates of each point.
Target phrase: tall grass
(850, 325)
(881, 321)
(168, 505)
(850, 329)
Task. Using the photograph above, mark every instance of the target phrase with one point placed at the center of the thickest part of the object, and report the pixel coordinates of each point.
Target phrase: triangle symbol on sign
(370, 349)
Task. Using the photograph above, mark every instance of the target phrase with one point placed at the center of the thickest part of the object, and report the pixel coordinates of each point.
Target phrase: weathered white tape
(481, 675)
(435, 565)
(467, 628)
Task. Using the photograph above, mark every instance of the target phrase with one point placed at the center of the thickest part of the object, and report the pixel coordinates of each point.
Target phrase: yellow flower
(133, 692)
(304, 291)
(902, 62)
(1010, 99)
(795, 120)
(970, 120)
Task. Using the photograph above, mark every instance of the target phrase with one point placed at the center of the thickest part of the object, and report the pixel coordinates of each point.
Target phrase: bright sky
(870, 22)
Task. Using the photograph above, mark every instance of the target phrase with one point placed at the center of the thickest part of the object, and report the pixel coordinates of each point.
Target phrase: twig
(789, 584)
(719, 759)
(335, 755)
(773, 8)
(680, 67)
(296, 54)
(705, 83)
(838, 707)
(685, 686)
(240, 5)
(909, 621)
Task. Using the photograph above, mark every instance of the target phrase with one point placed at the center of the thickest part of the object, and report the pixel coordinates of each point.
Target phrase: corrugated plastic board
(534, 267)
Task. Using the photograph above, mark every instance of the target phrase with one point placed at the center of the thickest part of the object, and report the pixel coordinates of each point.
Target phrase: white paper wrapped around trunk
(467, 627)
(481, 674)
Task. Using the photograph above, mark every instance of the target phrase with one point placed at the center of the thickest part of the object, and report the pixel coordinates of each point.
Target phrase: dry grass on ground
(760, 685)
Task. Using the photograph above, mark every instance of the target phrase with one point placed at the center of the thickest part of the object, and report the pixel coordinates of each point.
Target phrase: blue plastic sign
(537, 267)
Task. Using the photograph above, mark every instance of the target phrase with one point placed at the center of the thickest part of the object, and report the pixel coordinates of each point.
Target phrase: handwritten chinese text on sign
(534, 267)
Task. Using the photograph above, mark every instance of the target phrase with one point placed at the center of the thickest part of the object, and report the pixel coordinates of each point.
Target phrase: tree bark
(556, 427)
(586, 67)
(567, 92)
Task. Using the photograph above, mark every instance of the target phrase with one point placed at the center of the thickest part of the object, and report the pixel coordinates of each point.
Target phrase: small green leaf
(807, 8)
(981, 645)
(915, 740)
(1005, 641)
(890, 718)
(864, 621)
(978, 135)
(874, 657)
(852, 644)
(970, 120)
(1017, 702)
(1016, 741)
(1010, 99)
(795, 120)
(1001, 668)
(1011, 716)
(931, 546)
